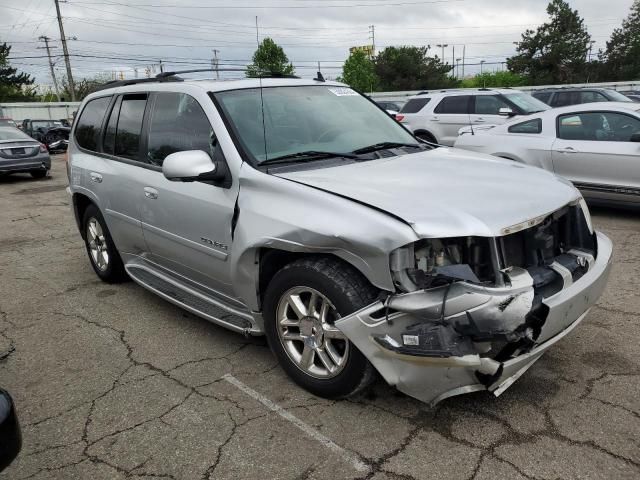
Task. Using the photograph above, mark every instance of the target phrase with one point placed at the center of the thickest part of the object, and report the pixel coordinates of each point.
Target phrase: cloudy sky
(120, 37)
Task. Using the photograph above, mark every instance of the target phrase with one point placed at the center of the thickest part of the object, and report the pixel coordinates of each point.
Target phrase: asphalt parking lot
(112, 382)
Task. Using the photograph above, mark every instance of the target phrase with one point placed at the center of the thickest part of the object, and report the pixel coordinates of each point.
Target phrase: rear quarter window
(414, 105)
(87, 130)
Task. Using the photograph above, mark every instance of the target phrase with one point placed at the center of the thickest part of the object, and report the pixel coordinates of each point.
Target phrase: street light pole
(481, 65)
(442, 46)
(458, 68)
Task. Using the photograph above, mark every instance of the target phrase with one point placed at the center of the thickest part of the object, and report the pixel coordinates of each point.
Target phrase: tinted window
(598, 126)
(12, 133)
(542, 96)
(530, 126)
(108, 143)
(90, 121)
(178, 123)
(127, 143)
(614, 96)
(565, 98)
(489, 104)
(454, 104)
(414, 105)
(590, 97)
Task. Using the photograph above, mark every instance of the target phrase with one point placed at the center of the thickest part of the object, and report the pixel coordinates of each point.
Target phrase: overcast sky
(142, 32)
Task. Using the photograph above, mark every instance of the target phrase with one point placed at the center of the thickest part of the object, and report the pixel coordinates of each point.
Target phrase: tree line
(558, 51)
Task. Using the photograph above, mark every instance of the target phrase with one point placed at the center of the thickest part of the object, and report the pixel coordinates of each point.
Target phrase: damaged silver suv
(300, 210)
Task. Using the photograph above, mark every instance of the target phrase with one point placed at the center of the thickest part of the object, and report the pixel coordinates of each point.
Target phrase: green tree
(494, 80)
(14, 86)
(84, 86)
(359, 72)
(269, 58)
(556, 51)
(621, 58)
(410, 68)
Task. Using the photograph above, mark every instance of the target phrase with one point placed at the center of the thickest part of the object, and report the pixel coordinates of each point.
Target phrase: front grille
(546, 248)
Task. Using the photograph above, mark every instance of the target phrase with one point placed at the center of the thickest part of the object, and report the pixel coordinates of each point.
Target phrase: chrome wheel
(97, 244)
(305, 324)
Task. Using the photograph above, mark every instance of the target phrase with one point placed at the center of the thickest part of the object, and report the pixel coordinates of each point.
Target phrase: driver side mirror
(506, 112)
(192, 166)
(635, 137)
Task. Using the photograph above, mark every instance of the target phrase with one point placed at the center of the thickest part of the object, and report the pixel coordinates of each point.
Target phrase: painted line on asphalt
(349, 457)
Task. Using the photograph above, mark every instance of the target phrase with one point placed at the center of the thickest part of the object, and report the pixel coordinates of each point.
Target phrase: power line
(253, 7)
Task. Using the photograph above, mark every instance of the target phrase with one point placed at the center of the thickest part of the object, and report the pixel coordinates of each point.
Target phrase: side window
(414, 105)
(489, 104)
(129, 129)
(542, 96)
(530, 126)
(108, 143)
(178, 123)
(598, 126)
(454, 104)
(87, 131)
(565, 98)
(590, 97)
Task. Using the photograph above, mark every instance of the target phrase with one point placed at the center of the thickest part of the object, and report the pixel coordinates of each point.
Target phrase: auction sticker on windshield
(343, 92)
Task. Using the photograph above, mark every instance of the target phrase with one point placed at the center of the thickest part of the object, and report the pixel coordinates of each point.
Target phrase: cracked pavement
(112, 382)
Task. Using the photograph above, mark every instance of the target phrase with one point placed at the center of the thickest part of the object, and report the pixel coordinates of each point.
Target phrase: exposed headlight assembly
(433, 262)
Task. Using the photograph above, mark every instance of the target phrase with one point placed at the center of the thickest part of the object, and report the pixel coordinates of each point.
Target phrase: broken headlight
(430, 263)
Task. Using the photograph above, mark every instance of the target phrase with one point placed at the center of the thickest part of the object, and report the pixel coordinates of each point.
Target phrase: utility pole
(161, 67)
(372, 36)
(458, 68)
(482, 62)
(464, 49)
(46, 41)
(63, 39)
(453, 58)
(215, 63)
(257, 36)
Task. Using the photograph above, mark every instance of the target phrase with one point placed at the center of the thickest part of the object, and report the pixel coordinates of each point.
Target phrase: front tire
(39, 173)
(104, 256)
(301, 304)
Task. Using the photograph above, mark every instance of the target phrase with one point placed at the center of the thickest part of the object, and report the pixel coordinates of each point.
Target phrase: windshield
(526, 102)
(617, 96)
(12, 133)
(306, 118)
(45, 123)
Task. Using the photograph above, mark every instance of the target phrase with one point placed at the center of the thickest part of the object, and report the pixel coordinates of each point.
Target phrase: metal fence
(38, 110)
(58, 110)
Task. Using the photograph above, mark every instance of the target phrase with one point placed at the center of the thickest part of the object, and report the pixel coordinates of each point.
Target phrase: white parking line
(312, 432)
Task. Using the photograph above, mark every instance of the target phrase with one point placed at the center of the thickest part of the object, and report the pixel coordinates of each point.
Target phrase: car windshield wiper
(385, 145)
(307, 155)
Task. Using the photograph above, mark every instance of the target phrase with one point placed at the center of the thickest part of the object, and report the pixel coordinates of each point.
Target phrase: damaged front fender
(485, 338)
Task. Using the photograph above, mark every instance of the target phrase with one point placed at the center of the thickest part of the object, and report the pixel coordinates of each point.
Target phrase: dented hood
(446, 192)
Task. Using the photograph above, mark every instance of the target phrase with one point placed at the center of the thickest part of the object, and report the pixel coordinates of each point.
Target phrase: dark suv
(562, 97)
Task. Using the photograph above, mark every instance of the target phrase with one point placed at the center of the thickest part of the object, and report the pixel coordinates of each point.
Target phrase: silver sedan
(595, 145)
(19, 153)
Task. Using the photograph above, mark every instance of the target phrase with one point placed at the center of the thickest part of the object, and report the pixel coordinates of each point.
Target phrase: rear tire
(39, 173)
(103, 255)
(301, 303)
(427, 137)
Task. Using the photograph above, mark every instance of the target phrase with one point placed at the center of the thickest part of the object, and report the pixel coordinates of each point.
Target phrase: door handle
(95, 177)
(567, 150)
(151, 193)
(480, 120)
(435, 119)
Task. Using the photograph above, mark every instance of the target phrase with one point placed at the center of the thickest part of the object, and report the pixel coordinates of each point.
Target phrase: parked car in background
(19, 153)
(563, 96)
(7, 122)
(631, 94)
(595, 145)
(330, 229)
(10, 434)
(437, 116)
(392, 108)
(50, 132)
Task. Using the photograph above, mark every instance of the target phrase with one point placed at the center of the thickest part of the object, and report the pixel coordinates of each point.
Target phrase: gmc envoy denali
(300, 210)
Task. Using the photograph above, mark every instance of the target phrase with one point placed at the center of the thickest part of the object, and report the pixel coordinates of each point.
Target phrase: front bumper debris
(486, 338)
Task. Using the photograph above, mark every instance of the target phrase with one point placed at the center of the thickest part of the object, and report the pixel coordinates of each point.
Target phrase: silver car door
(450, 115)
(594, 150)
(110, 178)
(187, 225)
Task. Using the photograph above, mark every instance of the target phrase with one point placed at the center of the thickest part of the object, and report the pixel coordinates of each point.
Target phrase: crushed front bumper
(378, 331)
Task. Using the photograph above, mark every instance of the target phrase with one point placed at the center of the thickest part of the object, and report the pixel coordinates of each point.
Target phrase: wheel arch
(424, 131)
(81, 202)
